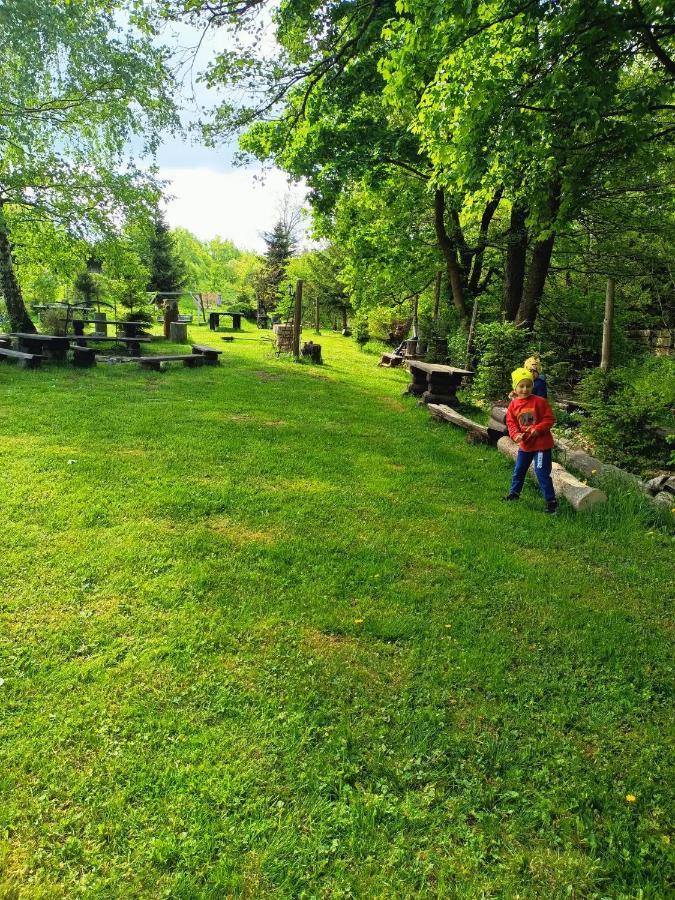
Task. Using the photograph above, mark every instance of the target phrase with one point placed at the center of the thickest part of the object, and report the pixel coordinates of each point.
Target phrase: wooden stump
(178, 332)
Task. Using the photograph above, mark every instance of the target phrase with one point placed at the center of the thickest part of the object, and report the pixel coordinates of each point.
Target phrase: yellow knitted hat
(519, 375)
(533, 362)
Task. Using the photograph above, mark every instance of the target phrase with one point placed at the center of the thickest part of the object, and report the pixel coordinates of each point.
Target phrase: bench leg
(194, 362)
(151, 365)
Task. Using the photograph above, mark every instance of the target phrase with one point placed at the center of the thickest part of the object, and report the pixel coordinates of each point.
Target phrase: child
(539, 388)
(529, 419)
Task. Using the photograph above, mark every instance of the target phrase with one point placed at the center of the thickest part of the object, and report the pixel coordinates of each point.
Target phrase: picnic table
(214, 320)
(129, 329)
(133, 343)
(436, 383)
(48, 345)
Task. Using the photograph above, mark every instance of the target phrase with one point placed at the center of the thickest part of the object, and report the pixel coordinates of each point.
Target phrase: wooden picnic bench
(191, 360)
(214, 320)
(436, 383)
(210, 354)
(50, 346)
(133, 343)
(24, 360)
(129, 329)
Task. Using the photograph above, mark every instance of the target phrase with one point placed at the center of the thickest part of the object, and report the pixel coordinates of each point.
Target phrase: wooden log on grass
(443, 413)
(590, 467)
(579, 495)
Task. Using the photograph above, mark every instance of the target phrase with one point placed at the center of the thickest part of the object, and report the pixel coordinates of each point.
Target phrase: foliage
(360, 330)
(626, 407)
(167, 269)
(53, 321)
(78, 81)
(281, 243)
(501, 348)
(87, 288)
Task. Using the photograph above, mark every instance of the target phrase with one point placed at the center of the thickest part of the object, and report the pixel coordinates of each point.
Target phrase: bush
(360, 326)
(53, 321)
(501, 347)
(625, 411)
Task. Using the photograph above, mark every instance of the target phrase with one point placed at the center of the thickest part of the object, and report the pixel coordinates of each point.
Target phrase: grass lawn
(267, 631)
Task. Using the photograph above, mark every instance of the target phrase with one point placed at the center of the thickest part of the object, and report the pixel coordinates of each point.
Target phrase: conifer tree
(167, 269)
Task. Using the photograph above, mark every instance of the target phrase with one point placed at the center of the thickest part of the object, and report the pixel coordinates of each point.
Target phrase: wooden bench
(24, 360)
(83, 357)
(210, 354)
(228, 338)
(133, 344)
(191, 360)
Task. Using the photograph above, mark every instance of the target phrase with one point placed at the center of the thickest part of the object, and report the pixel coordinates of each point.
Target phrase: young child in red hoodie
(529, 420)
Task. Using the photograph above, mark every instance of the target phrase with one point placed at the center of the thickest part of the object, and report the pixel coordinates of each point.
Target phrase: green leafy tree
(75, 86)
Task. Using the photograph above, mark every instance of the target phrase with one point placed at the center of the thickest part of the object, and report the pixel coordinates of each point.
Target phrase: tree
(75, 85)
(281, 244)
(489, 104)
(167, 269)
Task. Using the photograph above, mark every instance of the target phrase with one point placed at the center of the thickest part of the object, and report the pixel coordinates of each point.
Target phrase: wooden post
(437, 296)
(317, 316)
(297, 319)
(472, 326)
(605, 360)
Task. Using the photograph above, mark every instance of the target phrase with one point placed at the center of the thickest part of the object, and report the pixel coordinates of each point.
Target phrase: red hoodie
(524, 415)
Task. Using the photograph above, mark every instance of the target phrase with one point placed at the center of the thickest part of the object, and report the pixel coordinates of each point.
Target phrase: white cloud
(237, 205)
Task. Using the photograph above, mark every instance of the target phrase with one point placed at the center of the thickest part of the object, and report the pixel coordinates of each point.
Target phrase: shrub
(53, 321)
(624, 415)
(360, 326)
(501, 347)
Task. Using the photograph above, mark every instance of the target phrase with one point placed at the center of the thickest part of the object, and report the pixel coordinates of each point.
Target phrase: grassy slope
(266, 630)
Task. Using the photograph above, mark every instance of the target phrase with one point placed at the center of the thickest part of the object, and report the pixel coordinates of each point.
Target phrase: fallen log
(443, 413)
(590, 467)
(498, 413)
(580, 496)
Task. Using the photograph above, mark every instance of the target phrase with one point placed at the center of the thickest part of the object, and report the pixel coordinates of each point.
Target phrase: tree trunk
(606, 359)
(18, 316)
(437, 296)
(449, 250)
(539, 264)
(514, 275)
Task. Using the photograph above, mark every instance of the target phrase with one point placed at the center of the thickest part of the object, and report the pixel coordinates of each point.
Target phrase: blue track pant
(542, 469)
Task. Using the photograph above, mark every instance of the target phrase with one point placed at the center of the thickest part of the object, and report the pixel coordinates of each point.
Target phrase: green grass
(267, 631)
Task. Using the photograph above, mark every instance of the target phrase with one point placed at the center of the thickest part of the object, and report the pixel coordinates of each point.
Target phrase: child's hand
(518, 438)
(533, 432)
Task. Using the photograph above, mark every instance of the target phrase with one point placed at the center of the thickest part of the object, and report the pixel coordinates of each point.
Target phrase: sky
(206, 193)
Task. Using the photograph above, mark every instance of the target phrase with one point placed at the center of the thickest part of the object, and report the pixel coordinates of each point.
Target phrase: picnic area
(267, 631)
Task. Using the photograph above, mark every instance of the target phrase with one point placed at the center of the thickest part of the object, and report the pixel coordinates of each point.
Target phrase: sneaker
(551, 507)
(511, 497)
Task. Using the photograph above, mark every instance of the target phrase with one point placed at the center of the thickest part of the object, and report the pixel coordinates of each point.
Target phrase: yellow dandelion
(665, 838)
(358, 621)
(594, 471)
(447, 626)
(631, 798)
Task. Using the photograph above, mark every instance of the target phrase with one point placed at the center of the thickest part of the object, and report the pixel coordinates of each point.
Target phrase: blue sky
(207, 194)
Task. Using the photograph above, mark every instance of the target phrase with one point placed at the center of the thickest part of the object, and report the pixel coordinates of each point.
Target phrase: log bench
(191, 360)
(210, 354)
(24, 360)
